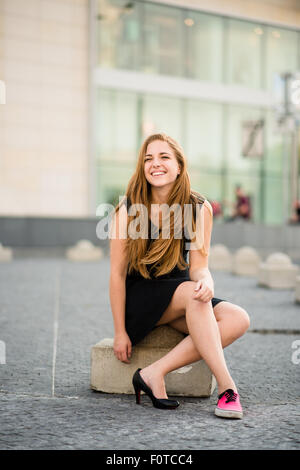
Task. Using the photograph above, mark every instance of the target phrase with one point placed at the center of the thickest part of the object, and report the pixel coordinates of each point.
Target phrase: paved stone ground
(53, 311)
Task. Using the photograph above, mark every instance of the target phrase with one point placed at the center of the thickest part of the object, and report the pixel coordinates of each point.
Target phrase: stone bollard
(297, 292)
(110, 375)
(246, 261)
(220, 258)
(5, 253)
(278, 272)
(84, 250)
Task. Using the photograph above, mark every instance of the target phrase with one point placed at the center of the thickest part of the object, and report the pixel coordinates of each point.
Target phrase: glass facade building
(201, 78)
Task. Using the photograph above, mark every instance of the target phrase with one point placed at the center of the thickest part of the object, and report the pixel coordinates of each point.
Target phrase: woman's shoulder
(199, 198)
(202, 200)
(125, 203)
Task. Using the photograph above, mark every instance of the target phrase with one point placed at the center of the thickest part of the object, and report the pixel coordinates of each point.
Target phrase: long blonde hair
(163, 253)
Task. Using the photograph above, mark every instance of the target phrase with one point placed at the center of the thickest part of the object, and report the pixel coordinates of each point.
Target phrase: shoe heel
(137, 395)
(162, 403)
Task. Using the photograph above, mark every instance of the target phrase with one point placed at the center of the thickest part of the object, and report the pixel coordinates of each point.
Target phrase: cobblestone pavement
(53, 311)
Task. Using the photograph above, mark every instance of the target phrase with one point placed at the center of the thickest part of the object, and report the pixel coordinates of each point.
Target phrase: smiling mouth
(160, 174)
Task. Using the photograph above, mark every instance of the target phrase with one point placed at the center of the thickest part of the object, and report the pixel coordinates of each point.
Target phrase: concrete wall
(37, 232)
(53, 232)
(43, 125)
(266, 239)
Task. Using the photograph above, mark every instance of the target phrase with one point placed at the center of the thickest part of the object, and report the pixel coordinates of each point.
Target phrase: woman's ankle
(153, 371)
(225, 386)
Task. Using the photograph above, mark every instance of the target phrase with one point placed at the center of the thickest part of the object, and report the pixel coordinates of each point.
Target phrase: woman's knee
(241, 320)
(187, 292)
(177, 306)
(244, 319)
(182, 295)
(235, 316)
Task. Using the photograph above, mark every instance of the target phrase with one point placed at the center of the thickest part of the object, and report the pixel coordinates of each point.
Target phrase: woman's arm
(117, 293)
(117, 284)
(198, 262)
(203, 274)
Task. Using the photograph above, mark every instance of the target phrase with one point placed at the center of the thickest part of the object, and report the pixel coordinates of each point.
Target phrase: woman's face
(160, 164)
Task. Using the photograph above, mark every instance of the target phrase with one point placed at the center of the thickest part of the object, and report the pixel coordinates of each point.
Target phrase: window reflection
(236, 116)
(116, 126)
(244, 53)
(163, 40)
(202, 121)
(204, 51)
(166, 40)
(281, 53)
(119, 34)
(162, 114)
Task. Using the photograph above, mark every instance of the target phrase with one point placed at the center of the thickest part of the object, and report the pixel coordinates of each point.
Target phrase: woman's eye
(147, 159)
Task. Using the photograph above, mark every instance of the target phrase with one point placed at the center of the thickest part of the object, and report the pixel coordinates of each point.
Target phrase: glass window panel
(162, 114)
(119, 29)
(281, 53)
(111, 183)
(274, 213)
(204, 59)
(244, 53)
(274, 145)
(163, 40)
(278, 164)
(108, 25)
(207, 183)
(236, 118)
(116, 125)
(104, 120)
(203, 130)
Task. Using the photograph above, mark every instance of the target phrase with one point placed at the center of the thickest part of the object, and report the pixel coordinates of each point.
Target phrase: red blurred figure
(217, 208)
(295, 219)
(242, 206)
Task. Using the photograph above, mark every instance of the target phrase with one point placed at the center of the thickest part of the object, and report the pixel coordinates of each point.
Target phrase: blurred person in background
(295, 219)
(242, 206)
(217, 209)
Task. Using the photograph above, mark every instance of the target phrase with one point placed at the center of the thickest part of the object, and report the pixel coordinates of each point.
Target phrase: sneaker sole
(228, 414)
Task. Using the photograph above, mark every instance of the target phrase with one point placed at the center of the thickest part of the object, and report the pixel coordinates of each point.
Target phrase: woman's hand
(203, 291)
(122, 347)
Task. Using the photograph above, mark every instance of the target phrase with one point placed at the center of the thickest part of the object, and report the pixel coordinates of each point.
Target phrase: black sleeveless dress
(147, 299)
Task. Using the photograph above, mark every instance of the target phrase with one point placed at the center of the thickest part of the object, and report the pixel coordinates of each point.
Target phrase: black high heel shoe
(162, 403)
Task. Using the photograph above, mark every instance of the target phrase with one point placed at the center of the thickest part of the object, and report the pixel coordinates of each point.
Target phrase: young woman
(152, 284)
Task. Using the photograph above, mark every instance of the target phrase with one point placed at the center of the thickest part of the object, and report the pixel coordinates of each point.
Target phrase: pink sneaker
(229, 405)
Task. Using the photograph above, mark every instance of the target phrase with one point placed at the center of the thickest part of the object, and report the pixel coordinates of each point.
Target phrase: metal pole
(285, 189)
(289, 109)
(289, 163)
(295, 166)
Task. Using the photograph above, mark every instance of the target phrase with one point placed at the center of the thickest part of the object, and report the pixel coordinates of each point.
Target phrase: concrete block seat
(84, 250)
(220, 258)
(278, 272)
(246, 261)
(6, 253)
(110, 375)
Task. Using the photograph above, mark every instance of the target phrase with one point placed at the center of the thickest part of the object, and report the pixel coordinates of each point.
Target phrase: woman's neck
(159, 196)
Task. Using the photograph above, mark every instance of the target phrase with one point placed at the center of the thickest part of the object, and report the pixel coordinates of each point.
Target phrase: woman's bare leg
(232, 322)
(205, 334)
